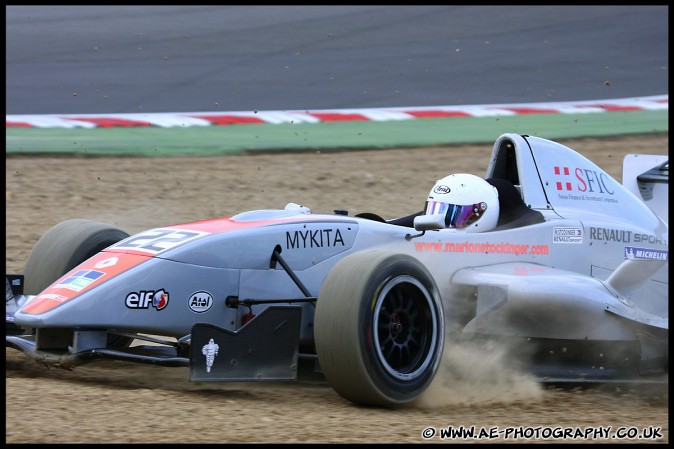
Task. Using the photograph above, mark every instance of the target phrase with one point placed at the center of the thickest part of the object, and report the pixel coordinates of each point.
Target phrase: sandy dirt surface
(119, 402)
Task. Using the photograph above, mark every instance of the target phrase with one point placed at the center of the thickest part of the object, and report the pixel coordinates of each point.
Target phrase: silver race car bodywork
(576, 274)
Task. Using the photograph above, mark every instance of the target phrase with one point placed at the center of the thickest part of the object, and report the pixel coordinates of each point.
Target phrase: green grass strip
(232, 139)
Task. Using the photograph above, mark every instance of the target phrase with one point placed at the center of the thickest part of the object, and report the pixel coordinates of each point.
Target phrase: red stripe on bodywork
(218, 225)
(43, 303)
(17, 125)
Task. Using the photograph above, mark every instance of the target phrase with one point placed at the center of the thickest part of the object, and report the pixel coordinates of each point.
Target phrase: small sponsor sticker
(53, 297)
(109, 262)
(80, 280)
(200, 301)
(568, 234)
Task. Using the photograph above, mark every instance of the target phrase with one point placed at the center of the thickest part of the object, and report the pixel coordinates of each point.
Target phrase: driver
(468, 202)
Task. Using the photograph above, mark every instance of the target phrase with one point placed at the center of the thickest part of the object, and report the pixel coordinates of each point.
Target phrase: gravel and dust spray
(479, 373)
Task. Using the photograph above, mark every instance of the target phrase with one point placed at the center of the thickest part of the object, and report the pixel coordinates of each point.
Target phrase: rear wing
(647, 177)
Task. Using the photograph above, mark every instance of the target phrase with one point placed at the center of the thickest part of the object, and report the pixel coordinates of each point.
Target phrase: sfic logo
(586, 180)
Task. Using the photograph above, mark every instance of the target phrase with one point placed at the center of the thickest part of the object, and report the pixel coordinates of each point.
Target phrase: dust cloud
(479, 372)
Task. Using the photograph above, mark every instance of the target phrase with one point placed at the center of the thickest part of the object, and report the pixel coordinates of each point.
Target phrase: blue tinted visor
(456, 216)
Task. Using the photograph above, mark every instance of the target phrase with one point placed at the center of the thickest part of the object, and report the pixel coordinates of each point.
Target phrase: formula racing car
(575, 273)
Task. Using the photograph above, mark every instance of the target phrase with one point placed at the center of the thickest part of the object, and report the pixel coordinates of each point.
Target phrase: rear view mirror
(429, 222)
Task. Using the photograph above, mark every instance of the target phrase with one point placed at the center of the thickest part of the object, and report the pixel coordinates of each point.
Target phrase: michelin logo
(634, 253)
(210, 350)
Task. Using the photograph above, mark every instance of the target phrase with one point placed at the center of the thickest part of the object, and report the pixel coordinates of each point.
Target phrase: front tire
(379, 328)
(62, 248)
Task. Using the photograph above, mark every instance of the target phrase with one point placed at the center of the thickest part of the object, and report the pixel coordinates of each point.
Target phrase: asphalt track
(124, 59)
(131, 59)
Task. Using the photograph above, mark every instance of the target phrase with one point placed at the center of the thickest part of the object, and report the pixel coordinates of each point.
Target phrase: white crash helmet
(468, 202)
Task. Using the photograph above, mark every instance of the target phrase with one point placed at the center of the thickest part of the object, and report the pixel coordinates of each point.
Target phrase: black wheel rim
(405, 334)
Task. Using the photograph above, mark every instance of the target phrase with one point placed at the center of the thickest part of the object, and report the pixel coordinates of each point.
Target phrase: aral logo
(200, 301)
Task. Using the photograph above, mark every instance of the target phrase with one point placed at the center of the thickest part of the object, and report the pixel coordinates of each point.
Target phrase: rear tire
(379, 328)
(62, 248)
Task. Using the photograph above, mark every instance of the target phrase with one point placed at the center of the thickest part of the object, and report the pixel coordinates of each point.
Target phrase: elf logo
(147, 298)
